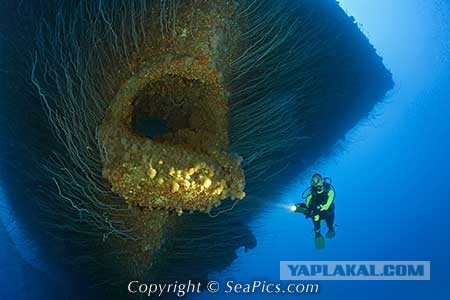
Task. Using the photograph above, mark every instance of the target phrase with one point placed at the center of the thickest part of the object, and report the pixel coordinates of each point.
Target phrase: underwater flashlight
(300, 208)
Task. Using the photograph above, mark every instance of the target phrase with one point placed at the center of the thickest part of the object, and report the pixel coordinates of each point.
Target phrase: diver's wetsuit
(325, 199)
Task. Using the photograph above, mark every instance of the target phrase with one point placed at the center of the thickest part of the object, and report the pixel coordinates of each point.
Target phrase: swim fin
(330, 234)
(319, 241)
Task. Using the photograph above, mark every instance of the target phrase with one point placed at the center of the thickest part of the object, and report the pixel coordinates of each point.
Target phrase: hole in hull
(163, 108)
(148, 126)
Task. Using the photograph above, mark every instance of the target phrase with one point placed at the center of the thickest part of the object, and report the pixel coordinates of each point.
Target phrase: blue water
(391, 173)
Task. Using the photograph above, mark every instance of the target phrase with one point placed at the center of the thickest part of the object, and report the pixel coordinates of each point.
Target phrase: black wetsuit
(317, 199)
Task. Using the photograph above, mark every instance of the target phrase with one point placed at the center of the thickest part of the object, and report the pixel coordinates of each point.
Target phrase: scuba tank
(327, 181)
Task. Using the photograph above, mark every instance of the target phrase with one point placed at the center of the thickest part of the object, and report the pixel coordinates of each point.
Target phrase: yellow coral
(186, 183)
(175, 187)
(207, 183)
(240, 195)
(152, 173)
(172, 171)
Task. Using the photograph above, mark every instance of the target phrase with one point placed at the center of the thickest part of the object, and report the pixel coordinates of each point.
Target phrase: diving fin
(319, 241)
(330, 234)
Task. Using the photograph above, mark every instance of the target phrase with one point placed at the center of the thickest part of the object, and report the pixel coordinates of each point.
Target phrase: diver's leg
(319, 241)
(316, 225)
(329, 219)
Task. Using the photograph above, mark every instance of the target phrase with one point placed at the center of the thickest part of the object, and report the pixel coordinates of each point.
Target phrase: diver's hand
(308, 214)
(322, 208)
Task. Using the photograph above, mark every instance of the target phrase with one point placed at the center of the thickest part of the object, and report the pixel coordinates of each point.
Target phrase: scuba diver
(319, 205)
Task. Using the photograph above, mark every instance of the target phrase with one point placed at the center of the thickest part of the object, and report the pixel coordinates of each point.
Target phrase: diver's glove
(308, 212)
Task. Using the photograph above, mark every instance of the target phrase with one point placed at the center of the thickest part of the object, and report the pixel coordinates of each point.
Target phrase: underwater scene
(224, 149)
